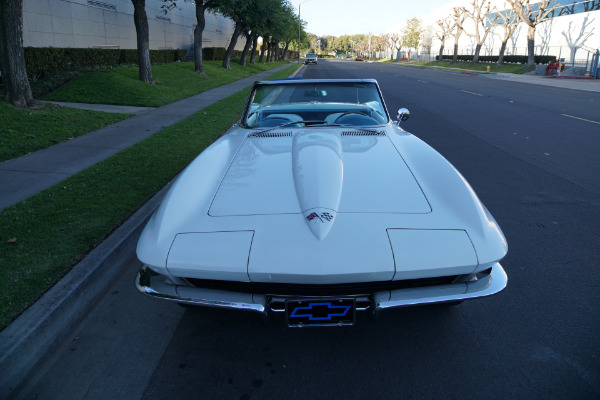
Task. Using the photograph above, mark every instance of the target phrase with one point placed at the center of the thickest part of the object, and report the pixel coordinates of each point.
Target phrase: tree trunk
(236, 34)
(262, 53)
(143, 40)
(530, 47)
(198, 31)
(476, 55)
(277, 52)
(455, 55)
(254, 46)
(270, 52)
(573, 52)
(441, 56)
(246, 48)
(12, 57)
(285, 51)
(501, 55)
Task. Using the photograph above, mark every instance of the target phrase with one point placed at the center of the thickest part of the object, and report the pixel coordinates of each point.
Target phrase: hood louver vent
(270, 134)
(362, 132)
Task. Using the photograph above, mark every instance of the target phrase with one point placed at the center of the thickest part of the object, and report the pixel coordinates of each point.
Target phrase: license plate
(320, 312)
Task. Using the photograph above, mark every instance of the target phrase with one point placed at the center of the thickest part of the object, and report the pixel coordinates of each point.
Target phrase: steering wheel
(359, 119)
(351, 112)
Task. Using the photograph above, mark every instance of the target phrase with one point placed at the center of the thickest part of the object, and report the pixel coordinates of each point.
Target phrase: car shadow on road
(231, 354)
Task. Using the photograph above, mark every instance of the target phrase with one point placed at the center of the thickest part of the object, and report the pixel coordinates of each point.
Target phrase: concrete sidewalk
(25, 176)
(591, 85)
(109, 108)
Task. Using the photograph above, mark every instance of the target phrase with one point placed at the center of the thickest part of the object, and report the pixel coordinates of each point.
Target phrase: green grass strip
(469, 67)
(42, 237)
(24, 131)
(174, 81)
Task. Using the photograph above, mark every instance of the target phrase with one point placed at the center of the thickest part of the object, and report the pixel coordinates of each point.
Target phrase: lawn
(467, 66)
(42, 237)
(23, 131)
(174, 81)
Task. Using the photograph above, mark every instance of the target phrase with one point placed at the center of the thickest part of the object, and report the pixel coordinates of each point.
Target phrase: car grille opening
(287, 289)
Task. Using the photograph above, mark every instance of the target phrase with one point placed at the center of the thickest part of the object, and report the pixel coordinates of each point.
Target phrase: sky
(346, 17)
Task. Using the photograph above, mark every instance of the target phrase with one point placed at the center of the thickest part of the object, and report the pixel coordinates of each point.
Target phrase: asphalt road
(537, 172)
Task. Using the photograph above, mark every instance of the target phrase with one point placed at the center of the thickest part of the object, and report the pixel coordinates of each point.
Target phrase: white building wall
(109, 23)
(549, 35)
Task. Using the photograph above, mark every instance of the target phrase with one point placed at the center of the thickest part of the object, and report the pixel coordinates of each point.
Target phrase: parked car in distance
(311, 58)
(358, 58)
(317, 206)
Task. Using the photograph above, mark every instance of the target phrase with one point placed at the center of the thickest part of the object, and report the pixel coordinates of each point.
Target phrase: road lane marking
(582, 119)
(418, 80)
(476, 94)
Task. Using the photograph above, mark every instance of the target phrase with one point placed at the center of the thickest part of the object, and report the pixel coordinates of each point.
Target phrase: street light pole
(299, 25)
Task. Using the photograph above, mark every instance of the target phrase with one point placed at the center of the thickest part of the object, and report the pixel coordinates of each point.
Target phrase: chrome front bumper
(156, 285)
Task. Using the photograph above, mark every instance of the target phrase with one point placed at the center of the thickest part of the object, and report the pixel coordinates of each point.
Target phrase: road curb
(297, 71)
(37, 332)
(40, 329)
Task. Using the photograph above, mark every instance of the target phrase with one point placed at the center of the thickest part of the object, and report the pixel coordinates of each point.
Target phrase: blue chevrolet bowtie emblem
(334, 311)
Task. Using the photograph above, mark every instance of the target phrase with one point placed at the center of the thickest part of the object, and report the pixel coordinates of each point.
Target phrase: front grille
(287, 289)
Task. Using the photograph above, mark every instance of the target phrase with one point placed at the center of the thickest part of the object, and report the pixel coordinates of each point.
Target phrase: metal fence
(581, 58)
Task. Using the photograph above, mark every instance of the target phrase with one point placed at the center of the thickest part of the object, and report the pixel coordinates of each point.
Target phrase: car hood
(319, 173)
(320, 205)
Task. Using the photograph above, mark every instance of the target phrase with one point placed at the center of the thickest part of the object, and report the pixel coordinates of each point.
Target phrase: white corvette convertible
(318, 206)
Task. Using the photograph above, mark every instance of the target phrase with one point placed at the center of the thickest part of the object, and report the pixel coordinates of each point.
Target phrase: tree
(143, 41)
(575, 43)
(284, 26)
(252, 22)
(532, 15)
(479, 14)
(249, 39)
(254, 46)
(427, 41)
(12, 58)
(510, 20)
(385, 43)
(458, 18)
(235, 10)
(396, 42)
(412, 34)
(446, 27)
(201, 7)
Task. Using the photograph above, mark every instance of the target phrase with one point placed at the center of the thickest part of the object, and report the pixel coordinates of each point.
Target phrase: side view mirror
(403, 115)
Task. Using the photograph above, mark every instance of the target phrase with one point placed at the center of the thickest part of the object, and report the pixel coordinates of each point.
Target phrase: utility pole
(299, 26)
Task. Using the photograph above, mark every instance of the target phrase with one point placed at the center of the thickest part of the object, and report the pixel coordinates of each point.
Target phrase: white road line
(418, 80)
(476, 94)
(582, 119)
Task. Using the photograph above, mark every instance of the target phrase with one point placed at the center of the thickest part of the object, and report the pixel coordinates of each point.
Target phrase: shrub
(43, 61)
(494, 59)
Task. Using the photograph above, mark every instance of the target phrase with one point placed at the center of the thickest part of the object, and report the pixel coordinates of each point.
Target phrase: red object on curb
(553, 66)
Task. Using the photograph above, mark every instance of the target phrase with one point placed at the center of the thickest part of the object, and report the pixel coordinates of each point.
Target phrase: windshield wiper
(307, 124)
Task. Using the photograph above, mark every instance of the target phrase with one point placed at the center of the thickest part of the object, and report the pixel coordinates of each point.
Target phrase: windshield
(302, 104)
